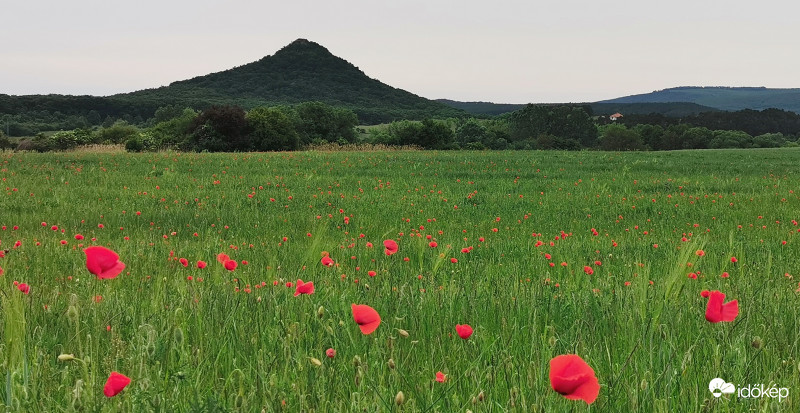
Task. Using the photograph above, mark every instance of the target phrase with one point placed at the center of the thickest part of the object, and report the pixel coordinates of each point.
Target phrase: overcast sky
(500, 51)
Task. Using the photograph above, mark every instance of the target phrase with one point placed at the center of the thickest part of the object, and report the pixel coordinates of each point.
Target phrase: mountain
(302, 71)
(723, 98)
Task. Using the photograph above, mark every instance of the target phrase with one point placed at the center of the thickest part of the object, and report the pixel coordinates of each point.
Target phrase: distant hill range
(723, 98)
(674, 102)
(300, 72)
(672, 109)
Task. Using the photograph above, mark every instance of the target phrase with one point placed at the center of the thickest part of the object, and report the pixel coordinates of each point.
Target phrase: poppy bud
(391, 364)
(356, 361)
(757, 342)
(72, 314)
(481, 396)
(178, 336)
(400, 398)
(320, 311)
(552, 341)
(643, 385)
(66, 357)
(315, 361)
(403, 333)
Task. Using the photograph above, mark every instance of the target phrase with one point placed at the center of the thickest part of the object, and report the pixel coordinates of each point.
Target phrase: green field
(216, 340)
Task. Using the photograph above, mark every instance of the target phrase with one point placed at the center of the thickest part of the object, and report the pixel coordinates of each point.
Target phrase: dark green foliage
(730, 139)
(5, 143)
(483, 108)
(317, 121)
(547, 142)
(470, 131)
(119, 132)
(70, 139)
(271, 130)
(170, 133)
(219, 128)
(562, 121)
(664, 109)
(751, 121)
(428, 134)
(134, 145)
(617, 137)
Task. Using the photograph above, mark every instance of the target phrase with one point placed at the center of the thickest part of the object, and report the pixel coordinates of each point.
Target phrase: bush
(5, 143)
(134, 144)
(64, 140)
(271, 130)
(119, 132)
(617, 137)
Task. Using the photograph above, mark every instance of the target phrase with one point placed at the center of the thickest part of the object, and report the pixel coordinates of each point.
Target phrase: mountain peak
(303, 45)
(301, 71)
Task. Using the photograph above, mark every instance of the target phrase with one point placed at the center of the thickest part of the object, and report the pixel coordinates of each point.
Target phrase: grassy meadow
(598, 254)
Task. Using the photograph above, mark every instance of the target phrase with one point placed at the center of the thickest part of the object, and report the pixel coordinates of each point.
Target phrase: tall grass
(213, 340)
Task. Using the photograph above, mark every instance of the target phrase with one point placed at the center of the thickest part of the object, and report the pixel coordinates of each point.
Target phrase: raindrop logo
(718, 387)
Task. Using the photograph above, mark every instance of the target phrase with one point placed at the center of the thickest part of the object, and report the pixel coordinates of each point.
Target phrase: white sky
(501, 51)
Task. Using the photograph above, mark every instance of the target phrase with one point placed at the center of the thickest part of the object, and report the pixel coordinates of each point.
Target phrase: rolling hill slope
(724, 98)
(302, 71)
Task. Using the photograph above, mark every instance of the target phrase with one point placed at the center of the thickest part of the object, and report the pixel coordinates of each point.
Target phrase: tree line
(562, 127)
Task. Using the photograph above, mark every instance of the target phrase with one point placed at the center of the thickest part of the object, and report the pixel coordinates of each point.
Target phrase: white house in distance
(615, 116)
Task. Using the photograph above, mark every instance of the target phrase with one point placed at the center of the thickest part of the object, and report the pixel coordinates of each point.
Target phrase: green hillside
(300, 72)
(724, 98)
(303, 71)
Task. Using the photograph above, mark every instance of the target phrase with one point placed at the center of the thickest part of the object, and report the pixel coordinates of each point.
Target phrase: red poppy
(25, 288)
(222, 257)
(184, 262)
(201, 264)
(391, 247)
(716, 311)
(734, 260)
(464, 331)
(440, 377)
(103, 262)
(366, 317)
(331, 353)
(372, 273)
(327, 261)
(433, 244)
(115, 383)
(571, 377)
(304, 288)
(230, 265)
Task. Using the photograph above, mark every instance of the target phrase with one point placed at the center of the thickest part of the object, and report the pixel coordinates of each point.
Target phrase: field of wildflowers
(399, 281)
